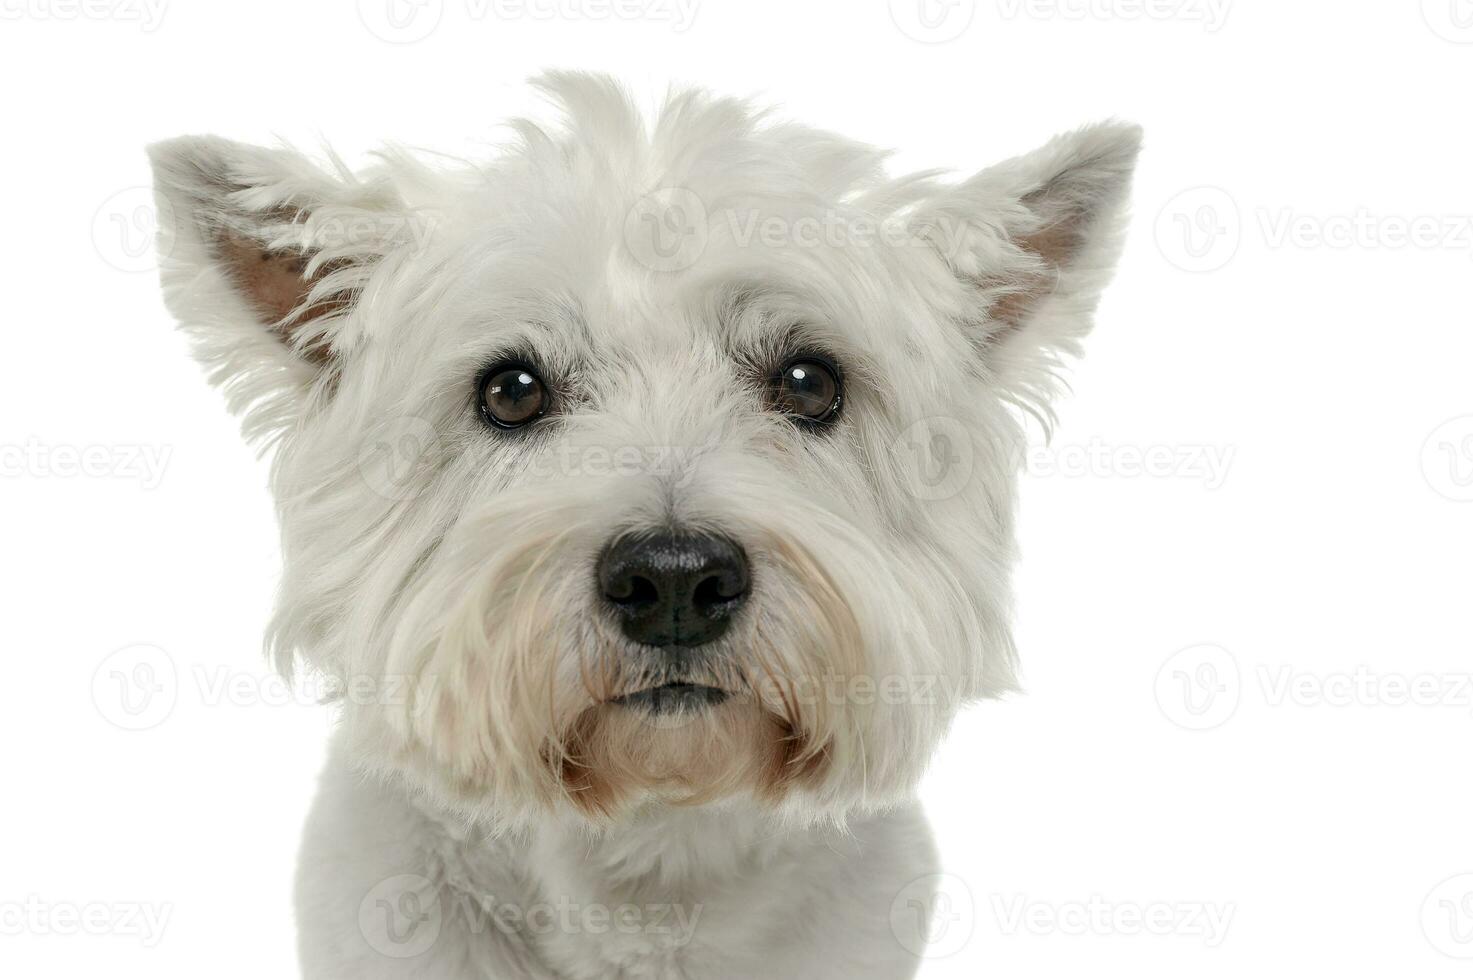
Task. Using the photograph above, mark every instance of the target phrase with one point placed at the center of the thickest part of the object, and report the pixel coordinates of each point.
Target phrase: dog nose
(672, 588)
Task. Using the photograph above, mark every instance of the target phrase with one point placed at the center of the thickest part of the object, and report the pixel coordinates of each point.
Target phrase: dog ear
(1036, 239)
(263, 254)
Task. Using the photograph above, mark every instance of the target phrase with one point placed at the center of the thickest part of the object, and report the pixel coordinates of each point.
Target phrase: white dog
(646, 494)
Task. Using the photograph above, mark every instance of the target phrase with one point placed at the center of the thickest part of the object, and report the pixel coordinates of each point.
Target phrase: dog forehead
(685, 243)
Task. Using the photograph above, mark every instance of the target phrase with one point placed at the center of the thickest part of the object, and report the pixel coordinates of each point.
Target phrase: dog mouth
(673, 697)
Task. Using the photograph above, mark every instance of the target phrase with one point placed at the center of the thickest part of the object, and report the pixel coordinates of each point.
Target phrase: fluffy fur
(441, 572)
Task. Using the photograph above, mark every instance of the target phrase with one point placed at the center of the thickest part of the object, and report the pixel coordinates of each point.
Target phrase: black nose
(673, 588)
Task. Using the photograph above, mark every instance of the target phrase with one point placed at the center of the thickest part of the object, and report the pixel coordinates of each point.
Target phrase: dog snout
(674, 588)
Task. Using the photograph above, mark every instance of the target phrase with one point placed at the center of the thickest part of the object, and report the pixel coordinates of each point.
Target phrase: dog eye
(809, 390)
(511, 396)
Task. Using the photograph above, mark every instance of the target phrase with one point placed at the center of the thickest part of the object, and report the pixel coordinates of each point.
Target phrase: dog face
(668, 461)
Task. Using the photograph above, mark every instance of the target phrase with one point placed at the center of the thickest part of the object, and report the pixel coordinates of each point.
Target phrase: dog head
(667, 460)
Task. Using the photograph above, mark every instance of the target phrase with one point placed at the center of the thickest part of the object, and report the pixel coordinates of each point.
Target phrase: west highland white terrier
(646, 498)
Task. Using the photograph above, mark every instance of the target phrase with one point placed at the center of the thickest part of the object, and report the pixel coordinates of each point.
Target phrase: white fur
(457, 612)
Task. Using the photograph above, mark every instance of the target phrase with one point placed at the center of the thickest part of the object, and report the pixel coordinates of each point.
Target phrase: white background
(1296, 372)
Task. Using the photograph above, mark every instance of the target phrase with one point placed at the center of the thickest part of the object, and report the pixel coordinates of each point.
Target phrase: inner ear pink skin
(275, 283)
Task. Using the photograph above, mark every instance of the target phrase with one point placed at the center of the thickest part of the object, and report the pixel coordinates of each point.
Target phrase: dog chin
(680, 743)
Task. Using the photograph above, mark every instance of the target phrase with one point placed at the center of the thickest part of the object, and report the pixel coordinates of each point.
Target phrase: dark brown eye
(808, 389)
(512, 396)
